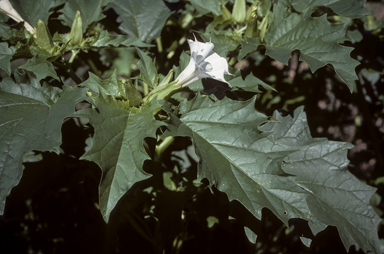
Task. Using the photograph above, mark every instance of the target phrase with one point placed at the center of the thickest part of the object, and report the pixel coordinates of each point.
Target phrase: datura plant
(106, 77)
(204, 63)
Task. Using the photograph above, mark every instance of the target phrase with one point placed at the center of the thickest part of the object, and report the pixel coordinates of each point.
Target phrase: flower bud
(252, 11)
(239, 11)
(76, 34)
(225, 13)
(252, 25)
(43, 36)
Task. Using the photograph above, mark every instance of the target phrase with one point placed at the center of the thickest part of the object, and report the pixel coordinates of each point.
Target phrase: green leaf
(6, 54)
(346, 8)
(224, 42)
(90, 11)
(203, 7)
(148, 71)
(40, 67)
(118, 146)
(250, 83)
(143, 19)
(249, 45)
(316, 39)
(30, 119)
(32, 11)
(334, 195)
(5, 31)
(278, 166)
(118, 89)
(106, 40)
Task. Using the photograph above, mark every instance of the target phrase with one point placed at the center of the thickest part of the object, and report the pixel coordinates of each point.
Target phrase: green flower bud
(76, 34)
(252, 30)
(225, 13)
(43, 36)
(239, 11)
(252, 10)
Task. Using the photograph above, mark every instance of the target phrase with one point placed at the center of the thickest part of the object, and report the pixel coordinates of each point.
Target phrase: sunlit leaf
(315, 38)
(279, 166)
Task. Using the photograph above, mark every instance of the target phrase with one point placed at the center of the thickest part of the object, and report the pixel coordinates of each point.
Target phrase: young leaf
(40, 67)
(30, 119)
(143, 19)
(279, 166)
(147, 69)
(113, 87)
(250, 83)
(6, 54)
(105, 40)
(118, 146)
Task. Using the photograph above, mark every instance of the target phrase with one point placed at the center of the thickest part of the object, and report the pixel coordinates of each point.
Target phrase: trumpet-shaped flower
(6, 8)
(204, 63)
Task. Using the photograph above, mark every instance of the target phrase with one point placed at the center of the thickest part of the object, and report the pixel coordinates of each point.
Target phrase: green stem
(163, 92)
(161, 148)
(67, 68)
(74, 54)
(94, 68)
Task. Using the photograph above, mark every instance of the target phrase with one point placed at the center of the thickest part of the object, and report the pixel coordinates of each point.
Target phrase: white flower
(6, 8)
(204, 63)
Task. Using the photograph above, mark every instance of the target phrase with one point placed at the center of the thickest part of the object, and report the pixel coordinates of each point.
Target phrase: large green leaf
(335, 196)
(315, 38)
(90, 11)
(346, 8)
(204, 7)
(118, 145)
(143, 19)
(278, 166)
(32, 11)
(30, 119)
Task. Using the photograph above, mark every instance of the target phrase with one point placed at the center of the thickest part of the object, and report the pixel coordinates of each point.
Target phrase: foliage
(164, 149)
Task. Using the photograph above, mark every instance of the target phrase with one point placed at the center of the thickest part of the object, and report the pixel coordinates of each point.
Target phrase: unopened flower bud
(252, 11)
(43, 36)
(239, 11)
(76, 34)
(252, 30)
(225, 13)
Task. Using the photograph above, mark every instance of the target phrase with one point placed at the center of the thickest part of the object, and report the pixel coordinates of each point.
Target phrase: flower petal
(199, 50)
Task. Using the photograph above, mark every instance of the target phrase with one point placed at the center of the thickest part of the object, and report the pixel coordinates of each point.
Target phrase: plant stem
(161, 148)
